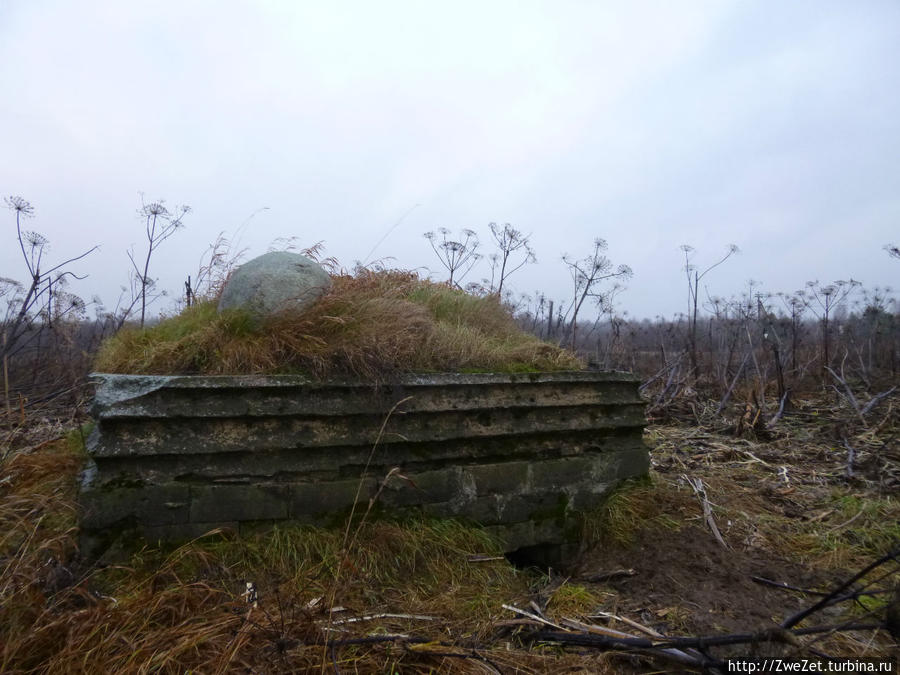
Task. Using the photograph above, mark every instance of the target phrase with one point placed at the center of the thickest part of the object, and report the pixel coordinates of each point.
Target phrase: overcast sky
(773, 125)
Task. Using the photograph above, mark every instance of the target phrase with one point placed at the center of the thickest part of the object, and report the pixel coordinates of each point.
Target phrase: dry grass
(791, 492)
(174, 611)
(368, 326)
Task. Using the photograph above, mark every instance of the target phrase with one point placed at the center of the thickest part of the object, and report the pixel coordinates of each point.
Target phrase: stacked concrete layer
(175, 457)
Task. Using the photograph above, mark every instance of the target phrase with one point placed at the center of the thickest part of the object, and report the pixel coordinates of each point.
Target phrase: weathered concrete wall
(174, 457)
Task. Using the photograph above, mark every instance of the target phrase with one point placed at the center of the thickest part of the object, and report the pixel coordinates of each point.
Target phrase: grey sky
(774, 125)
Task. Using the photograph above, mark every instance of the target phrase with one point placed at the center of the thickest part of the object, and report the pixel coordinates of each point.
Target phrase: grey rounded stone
(275, 282)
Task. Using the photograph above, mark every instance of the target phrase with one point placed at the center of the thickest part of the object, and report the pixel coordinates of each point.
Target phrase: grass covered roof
(370, 324)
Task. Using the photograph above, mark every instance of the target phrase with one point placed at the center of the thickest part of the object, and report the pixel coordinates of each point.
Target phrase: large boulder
(275, 282)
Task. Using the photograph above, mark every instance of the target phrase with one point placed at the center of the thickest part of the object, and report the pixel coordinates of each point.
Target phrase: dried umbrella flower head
(19, 205)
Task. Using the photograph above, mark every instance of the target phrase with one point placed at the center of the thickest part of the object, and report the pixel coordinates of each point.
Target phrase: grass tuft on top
(371, 324)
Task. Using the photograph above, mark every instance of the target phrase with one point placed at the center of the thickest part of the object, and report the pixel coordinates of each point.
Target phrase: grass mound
(370, 324)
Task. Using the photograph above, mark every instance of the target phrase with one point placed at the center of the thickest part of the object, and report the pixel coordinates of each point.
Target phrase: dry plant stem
(808, 591)
(686, 657)
(734, 382)
(607, 576)
(848, 394)
(868, 584)
(34, 303)
(662, 371)
(760, 378)
(634, 624)
(878, 398)
(509, 241)
(619, 639)
(777, 416)
(384, 615)
(785, 586)
(456, 256)
(851, 456)
(345, 545)
(597, 639)
(671, 383)
(887, 417)
(845, 523)
(697, 485)
(532, 616)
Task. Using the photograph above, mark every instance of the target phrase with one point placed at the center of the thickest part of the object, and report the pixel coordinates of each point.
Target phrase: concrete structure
(174, 457)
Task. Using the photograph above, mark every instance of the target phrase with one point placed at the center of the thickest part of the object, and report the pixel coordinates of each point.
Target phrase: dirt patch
(686, 583)
(794, 507)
